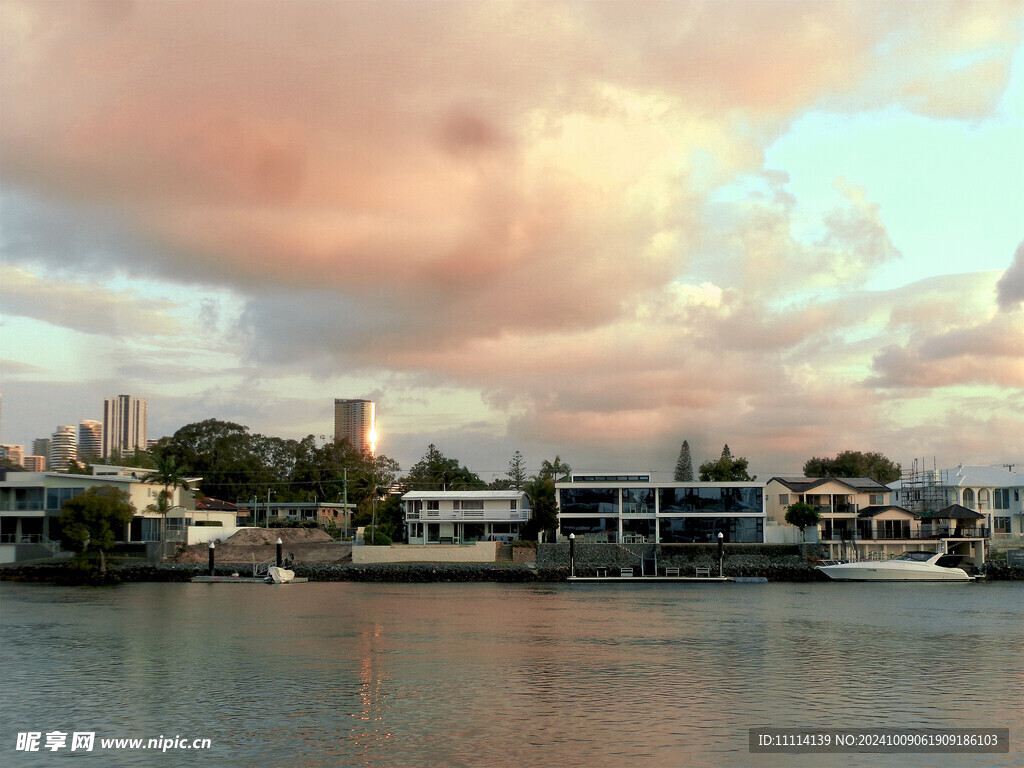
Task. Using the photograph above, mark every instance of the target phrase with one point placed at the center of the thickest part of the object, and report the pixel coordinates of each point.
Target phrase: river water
(347, 674)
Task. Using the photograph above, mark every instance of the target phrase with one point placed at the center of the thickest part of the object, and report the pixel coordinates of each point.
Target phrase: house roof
(215, 505)
(974, 475)
(439, 495)
(805, 484)
(954, 512)
(878, 509)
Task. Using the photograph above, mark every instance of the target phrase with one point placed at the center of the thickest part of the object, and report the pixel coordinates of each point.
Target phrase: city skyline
(592, 230)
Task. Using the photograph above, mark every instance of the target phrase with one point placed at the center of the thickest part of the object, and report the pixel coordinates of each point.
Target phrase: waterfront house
(837, 499)
(31, 505)
(996, 493)
(630, 508)
(860, 522)
(463, 517)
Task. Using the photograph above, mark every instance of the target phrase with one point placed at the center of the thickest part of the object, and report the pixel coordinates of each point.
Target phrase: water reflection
(489, 674)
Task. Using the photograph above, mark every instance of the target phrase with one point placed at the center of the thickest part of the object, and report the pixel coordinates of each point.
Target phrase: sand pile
(249, 536)
(306, 545)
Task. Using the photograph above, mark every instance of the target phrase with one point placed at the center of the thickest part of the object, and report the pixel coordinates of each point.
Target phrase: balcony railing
(925, 532)
(478, 515)
(22, 506)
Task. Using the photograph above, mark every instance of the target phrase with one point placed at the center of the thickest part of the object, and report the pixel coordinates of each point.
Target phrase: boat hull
(887, 572)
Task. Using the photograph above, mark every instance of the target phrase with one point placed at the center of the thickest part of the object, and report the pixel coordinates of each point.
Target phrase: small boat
(277, 575)
(910, 566)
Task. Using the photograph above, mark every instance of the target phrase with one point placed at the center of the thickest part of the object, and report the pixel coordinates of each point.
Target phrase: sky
(590, 229)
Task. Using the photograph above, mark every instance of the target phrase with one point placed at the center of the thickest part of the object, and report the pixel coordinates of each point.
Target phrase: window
(55, 497)
(1001, 524)
(513, 504)
(470, 505)
(969, 498)
(784, 499)
(983, 499)
(1001, 498)
(434, 506)
(876, 499)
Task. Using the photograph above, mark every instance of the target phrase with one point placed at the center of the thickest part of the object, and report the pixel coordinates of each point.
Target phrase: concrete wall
(781, 534)
(204, 534)
(480, 552)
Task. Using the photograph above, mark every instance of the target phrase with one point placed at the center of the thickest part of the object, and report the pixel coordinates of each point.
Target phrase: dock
(244, 580)
(654, 579)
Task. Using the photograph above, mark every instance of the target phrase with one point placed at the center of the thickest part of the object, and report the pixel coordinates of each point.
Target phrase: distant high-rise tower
(355, 421)
(35, 463)
(124, 424)
(41, 446)
(90, 438)
(13, 453)
(63, 448)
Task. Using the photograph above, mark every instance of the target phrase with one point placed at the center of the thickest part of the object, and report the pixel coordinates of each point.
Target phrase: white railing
(488, 515)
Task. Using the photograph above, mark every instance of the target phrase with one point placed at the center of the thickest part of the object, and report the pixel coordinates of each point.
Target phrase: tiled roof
(878, 509)
(805, 484)
(954, 512)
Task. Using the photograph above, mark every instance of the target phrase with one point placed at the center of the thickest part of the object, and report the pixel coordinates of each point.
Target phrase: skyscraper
(41, 446)
(13, 453)
(124, 424)
(355, 421)
(35, 463)
(90, 438)
(63, 448)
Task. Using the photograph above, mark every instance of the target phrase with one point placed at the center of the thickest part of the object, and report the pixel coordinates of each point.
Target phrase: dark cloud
(1010, 289)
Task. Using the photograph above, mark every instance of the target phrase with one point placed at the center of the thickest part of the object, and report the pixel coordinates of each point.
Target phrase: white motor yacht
(910, 566)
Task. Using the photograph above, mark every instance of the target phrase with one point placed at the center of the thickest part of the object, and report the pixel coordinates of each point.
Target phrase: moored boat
(910, 566)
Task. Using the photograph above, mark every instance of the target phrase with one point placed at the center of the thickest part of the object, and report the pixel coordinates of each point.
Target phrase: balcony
(924, 532)
(472, 515)
(22, 506)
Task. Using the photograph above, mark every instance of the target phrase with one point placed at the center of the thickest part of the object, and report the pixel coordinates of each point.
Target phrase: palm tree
(171, 476)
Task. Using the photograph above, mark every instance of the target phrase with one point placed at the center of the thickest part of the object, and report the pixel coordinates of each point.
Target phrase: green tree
(94, 520)
(436, 472)
(541, 490)
(517, 471)
(802, 515)
(684, 464)
(168, 474)
(224, 455)
(726, 468)
(873, 465)
(556, 470)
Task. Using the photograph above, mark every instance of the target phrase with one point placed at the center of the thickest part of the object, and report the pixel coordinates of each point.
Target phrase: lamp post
(572, 555)
(721, 551)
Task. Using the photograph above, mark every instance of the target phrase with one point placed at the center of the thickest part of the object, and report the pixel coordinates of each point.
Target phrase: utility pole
(344, 498)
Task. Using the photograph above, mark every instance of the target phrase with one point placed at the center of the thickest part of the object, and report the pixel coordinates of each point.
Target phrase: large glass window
(711, 500)
(638, 501)
(55, 497)
(691, 530)
(591, 528)
(590, 501)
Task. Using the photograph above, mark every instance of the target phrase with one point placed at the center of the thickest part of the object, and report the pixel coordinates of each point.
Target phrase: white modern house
(630, 508)
(463, 517)
(31, 505)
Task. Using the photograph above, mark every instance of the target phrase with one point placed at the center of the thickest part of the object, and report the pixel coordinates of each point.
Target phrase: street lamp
(721, 550)
(572, 555)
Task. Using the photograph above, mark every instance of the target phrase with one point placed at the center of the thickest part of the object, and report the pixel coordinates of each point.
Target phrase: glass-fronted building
(629, 508)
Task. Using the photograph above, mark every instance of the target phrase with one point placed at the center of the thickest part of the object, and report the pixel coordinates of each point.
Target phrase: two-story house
(463, 517)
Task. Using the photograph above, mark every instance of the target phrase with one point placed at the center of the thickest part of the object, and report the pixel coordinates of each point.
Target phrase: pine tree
(726, 453)
(517, 471)
(684, 464)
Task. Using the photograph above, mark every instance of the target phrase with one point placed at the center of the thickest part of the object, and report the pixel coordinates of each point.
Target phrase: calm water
(505, 675)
